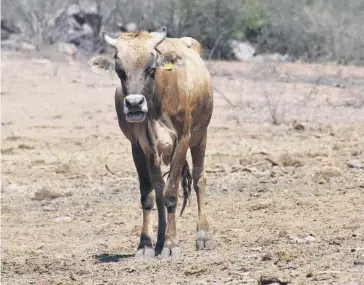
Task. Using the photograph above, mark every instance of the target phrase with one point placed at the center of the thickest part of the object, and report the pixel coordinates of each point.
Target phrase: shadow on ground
(107, 258)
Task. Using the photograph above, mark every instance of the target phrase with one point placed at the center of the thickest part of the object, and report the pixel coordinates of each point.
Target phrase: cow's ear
(102, 62)
(169, 57)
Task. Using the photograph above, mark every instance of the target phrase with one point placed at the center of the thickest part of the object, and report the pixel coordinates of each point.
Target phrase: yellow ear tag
(168, 66)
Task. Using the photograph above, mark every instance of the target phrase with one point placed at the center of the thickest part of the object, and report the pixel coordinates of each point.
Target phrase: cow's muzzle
(135, 108)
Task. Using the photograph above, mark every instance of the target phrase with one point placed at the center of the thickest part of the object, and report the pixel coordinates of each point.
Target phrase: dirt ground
(285, 201)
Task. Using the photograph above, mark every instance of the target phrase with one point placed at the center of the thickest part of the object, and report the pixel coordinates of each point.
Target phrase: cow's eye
(119, 69)
(150, 71)
(120, 72)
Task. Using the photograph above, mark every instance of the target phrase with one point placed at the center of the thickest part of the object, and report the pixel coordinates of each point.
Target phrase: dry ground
(286, 202)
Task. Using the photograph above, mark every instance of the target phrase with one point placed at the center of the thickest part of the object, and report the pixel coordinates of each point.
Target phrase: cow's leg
(203, 238)
(158, 185)
(171, 243)
(142, 164)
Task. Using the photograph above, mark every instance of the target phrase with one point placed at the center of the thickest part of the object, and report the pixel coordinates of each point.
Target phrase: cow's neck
(157, 137)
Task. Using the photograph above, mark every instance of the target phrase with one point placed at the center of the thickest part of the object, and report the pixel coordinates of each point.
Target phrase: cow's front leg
(142, 164)
(171, 243)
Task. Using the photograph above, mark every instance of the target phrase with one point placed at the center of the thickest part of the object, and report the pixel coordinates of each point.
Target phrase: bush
(329, 30)
(212, 22)
(326, 30)
(31, 16)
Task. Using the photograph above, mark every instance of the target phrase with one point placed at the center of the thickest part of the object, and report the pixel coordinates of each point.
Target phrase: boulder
(67, 49)
(7, 29)
(242, 50)
(78, 27)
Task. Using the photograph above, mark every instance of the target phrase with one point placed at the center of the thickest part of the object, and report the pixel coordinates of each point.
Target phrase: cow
(164, 104)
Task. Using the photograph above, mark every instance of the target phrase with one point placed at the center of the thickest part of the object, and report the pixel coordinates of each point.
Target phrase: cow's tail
(186, 183)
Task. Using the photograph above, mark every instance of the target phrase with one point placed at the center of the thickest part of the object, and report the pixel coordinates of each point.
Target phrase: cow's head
(135, 63)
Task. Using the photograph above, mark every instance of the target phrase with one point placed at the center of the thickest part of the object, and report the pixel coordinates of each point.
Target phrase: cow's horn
(159, 37)
(109, 40)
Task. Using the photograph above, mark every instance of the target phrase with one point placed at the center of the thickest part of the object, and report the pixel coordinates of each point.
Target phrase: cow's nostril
(141, 101)
(127, 103)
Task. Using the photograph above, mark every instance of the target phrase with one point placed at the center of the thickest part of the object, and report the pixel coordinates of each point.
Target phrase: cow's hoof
(204, 241)
(173, 251)
(146, 252)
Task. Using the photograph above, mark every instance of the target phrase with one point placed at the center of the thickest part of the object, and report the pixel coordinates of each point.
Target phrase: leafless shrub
(275, 108)
(212, 22)
(31, 16)
(309, 29)
(268, 75)
(314, 30)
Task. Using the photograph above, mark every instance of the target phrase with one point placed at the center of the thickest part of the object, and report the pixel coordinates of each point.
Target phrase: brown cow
(164, 104)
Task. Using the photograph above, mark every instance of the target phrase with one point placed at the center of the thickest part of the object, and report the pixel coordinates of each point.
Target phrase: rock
(357, 164)
(8, 28)
(275, 57)
(359, 260)
(131, 27)
(288, 160)
(67, 49)
(267, 256)
(242, 50)
(329, 172)
(73, 25)
(4, 184)
(15, 44)
(49, 208)
(87, 30)
(63, 219)
(73, 10)
(27, 47)
(273, 278)
(305, 240)
(298, 126)
(10, 45)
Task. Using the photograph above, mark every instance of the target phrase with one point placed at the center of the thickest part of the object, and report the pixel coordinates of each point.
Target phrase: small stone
(328, 172)
(267, 256)
(4, 184)
(67, 48)
(355, 164)
(307, 240)
(63, 219)
(49, 208)
(27, 47)
(275, 278)
(359, 260)
(298, 126)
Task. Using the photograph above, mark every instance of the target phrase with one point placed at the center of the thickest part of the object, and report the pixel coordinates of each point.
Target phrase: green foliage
(251, 23)
(327, 30)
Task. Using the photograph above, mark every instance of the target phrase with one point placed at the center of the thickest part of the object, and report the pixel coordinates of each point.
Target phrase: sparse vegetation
(326, 30)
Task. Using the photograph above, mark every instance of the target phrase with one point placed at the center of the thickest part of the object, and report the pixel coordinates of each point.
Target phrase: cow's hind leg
(142, 164)
(203, 238)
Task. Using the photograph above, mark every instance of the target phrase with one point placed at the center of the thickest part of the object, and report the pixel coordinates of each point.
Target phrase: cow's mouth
(136, 116)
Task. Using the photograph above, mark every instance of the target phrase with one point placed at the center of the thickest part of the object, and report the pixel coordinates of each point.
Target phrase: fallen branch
(108, 169)
(226, 99)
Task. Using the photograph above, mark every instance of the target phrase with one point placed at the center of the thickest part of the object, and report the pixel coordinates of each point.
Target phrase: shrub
(314, 30)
